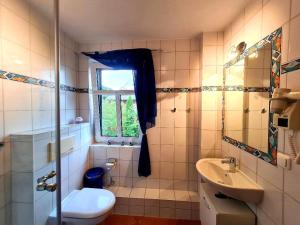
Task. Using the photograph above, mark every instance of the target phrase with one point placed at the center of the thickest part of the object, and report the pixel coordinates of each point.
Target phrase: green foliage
(129, 120)
(130, 126)
(109, 117)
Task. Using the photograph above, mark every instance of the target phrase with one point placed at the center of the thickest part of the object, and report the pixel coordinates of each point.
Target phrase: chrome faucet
(46, 187)
(47, 177)
(231, 161)
(42, 184)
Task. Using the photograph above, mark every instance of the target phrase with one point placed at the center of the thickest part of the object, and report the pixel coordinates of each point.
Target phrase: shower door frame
(57, 107)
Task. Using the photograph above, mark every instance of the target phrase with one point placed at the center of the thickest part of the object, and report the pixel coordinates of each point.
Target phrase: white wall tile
(182, 45)
(182, 78)
(153, 44)
(292, 80)
(41, 98)
(273, 174)
(263, 219)
(139, 44)
(14, 28)
(40, 42)
(294, 46)
(41, 119)
(127, 44)
(291, 209)
(15, 58)
(275, 14)
(168, 61)
(17, 121)
(272, 203)
(253, 33)
(168, 45)
(291, 182)
(295, 8)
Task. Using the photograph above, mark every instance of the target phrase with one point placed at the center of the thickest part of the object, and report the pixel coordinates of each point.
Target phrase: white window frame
(118, 93)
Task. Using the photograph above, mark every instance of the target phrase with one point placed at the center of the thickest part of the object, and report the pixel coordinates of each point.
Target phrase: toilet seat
(88, 203)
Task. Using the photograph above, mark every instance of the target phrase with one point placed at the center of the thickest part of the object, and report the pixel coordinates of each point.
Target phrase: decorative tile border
(174, 90)
(275, 39)
(185, 90)
(213, 88)
(35, 81)
(247, 148)
(290, 66)
(246, 89)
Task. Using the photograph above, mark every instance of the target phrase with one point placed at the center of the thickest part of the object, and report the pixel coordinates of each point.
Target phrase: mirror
(249, 80)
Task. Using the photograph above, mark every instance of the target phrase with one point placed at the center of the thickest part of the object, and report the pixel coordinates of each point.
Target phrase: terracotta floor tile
(187, 222)
(140, 220)
(120, 220)
(156, 221)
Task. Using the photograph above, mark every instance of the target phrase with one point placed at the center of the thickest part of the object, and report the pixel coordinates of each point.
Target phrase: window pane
(117, 80)
(108, 111)
(130, 125)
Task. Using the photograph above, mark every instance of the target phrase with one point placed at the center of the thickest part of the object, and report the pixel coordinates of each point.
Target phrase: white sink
(236, 185)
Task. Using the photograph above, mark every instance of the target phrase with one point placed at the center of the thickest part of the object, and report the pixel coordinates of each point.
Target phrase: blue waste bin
(93, 178)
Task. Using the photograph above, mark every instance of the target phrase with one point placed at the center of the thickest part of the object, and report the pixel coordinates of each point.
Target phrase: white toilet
(88, 206)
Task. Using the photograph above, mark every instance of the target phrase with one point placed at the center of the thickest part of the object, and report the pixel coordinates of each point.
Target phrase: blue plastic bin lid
(94, 172)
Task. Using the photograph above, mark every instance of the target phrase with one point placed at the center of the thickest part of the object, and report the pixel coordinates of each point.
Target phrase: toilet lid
(88, 203)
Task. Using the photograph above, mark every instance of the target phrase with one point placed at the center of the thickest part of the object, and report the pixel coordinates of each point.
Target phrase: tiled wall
(142, 196)
(28, 205)
(174, 140)
(211, 99)
(26, 47)
(281, 202)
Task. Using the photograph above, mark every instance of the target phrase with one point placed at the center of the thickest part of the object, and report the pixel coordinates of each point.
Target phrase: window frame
(95, 69)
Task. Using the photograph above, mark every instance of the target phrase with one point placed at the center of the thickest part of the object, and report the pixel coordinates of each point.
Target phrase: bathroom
(210, 135)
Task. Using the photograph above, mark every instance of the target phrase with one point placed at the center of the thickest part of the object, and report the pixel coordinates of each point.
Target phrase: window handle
(173, 110)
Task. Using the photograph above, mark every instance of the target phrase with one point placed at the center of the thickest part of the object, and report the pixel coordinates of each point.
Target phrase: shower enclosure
(35, 112)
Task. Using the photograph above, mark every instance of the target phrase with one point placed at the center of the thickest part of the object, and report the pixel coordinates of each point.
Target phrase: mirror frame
(275, 39)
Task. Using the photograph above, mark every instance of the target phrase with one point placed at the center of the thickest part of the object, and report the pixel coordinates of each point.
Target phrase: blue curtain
(140, 60)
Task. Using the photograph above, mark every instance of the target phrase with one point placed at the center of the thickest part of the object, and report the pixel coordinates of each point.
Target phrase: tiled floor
(139, 220)
(149, 193)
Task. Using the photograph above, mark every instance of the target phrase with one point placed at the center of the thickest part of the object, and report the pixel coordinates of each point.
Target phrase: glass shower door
(28, 109)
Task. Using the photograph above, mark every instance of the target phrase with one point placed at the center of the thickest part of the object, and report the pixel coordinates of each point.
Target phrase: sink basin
(236, 185)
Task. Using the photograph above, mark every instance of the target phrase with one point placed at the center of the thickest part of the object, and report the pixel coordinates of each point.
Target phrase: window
(116, 117)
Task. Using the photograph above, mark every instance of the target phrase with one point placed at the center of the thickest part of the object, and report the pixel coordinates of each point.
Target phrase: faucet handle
(229, 159)
(232, 163)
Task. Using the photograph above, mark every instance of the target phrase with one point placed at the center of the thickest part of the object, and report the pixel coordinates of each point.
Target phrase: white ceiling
(89, 21)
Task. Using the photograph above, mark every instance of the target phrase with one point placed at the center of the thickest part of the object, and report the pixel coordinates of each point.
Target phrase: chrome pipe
(57, 109)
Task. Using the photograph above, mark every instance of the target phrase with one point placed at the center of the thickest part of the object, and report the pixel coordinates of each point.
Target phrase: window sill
(116, 145)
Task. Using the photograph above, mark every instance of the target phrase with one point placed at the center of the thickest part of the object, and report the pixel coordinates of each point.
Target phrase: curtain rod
(101, 52)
